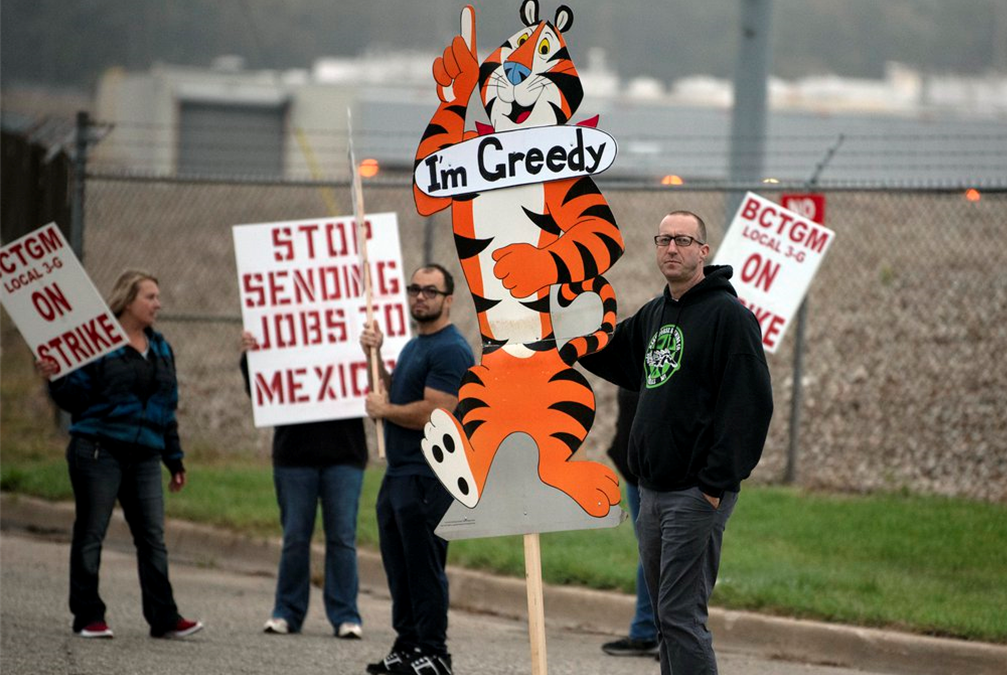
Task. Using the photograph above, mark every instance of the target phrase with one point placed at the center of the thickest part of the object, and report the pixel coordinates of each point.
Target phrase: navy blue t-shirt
(437, 361)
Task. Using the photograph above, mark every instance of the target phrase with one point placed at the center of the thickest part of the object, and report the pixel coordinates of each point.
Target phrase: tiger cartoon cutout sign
(534, 235)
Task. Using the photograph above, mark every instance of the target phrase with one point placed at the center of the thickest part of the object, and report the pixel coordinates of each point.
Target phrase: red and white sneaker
(97, 629)
(183, 628)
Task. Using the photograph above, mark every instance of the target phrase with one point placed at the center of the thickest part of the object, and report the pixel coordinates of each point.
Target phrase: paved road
(35, 637)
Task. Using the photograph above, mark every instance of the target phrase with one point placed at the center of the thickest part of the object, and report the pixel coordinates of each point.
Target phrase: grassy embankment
(924, 564)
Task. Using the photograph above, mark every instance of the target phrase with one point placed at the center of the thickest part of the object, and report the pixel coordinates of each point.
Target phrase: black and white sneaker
(396, 662)
(431, 664)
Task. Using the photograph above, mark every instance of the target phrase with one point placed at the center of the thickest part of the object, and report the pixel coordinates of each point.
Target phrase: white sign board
(53, 303)
(302, 297)
(516, 157)
(775, 253)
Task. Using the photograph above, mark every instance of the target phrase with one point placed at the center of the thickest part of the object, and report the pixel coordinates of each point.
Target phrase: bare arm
(410, 415)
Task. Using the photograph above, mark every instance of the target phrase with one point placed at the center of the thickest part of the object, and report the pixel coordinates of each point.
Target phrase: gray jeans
(680, 537)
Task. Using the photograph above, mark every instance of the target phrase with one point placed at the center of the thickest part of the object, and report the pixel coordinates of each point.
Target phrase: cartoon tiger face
(530, 80)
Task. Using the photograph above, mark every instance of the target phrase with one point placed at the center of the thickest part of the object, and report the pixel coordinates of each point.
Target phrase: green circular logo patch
(664, 355)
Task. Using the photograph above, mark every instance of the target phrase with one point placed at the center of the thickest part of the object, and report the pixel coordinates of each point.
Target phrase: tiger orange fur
(515, 245)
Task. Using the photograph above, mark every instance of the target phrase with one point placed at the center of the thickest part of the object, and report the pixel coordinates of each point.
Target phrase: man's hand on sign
(376, 405)
(248, 342)
(371, 338)
(46, 367)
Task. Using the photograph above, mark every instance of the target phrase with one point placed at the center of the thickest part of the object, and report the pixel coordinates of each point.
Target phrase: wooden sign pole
(536, 606)
(365, 269)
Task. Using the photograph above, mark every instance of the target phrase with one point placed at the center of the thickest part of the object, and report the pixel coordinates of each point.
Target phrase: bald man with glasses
(695, 355)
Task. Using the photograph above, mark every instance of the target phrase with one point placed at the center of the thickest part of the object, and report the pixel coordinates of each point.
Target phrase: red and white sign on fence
(302, 297)
(775, 253)
(811, 205)
(53, 302)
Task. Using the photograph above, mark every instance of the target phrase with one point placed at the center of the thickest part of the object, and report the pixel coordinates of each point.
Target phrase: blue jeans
(642, 626)
(99, 477)
(298, 491)
(680, 540)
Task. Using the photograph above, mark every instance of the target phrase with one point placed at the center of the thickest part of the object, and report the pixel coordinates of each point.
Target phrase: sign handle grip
(359, 216)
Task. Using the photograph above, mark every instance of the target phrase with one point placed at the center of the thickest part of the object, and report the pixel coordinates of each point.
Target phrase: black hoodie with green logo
(705, 392)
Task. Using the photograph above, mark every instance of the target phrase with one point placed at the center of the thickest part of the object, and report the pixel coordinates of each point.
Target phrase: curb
(569, 607)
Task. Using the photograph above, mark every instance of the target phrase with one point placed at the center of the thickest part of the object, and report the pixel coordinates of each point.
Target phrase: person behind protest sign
(642, 638)
(316, 462)
(123, 426)
(695, 355)
(412, 501)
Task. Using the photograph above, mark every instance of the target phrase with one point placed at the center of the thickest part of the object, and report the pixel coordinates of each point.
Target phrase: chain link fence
(907, 318)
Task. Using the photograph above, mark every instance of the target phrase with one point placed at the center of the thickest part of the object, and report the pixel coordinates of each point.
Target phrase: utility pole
(748, 121)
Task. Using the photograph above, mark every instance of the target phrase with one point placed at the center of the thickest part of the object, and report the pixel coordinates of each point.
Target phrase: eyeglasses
(681, 240)
(429, 292)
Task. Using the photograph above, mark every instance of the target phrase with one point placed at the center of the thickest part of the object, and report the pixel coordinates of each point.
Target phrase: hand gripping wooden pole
(365, 271)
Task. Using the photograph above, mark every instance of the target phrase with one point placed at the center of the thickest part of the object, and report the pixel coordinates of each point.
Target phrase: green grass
(926, 564)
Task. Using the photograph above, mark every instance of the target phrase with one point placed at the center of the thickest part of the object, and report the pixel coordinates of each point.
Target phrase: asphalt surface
(227, 580)
(36, 637)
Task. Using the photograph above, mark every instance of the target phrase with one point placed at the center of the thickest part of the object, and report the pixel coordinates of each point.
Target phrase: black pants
(99, 478)
(409, 508)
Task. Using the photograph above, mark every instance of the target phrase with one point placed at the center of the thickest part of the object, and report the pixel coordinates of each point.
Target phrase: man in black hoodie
(695, 355)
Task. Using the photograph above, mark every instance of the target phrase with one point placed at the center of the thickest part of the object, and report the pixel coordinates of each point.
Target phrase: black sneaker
(630, 647)
(396, 662)
(431, 664)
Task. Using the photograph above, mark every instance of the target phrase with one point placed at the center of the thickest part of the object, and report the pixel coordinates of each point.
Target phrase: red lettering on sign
(50, 302)
(388, 279)
(785, 225)
(295, 384)
(309, 236)
(325, 389)
(810, 205)
(358, 378)
(282, 330)
(283, 386)
(316, 240)
(78, 349)
(283, 244)
(37, 245)
(759, 271)
(268, 391)
(771, 324)
(751, 209)
(391, 318)
(81, 342)
(301, 286)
